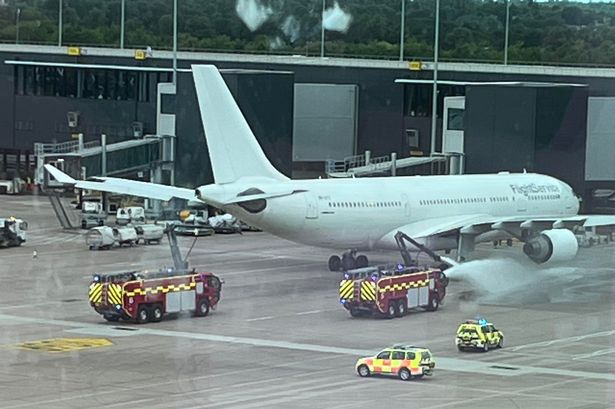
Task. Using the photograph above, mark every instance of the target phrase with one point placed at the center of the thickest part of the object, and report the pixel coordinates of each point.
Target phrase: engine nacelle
(552, 245)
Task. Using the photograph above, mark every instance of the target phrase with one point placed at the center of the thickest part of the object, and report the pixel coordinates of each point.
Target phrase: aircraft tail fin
(233, 149)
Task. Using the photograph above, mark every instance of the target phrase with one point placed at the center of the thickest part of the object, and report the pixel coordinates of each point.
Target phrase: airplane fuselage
(360, 213)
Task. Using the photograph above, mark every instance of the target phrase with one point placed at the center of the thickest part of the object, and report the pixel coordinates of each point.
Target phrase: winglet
(59, 175)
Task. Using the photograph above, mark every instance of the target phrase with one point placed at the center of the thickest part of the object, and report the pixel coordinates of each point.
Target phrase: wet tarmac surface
(280, 338)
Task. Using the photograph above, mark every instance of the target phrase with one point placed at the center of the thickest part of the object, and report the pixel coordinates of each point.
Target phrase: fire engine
(146, 296)
(392, 290)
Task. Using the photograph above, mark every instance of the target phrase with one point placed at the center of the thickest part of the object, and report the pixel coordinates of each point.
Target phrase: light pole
(60, 24)
(402, 30)
(322, 30)
(434, 93)
(174, 42)
(123, 10)
(17, 26)
(506, 32)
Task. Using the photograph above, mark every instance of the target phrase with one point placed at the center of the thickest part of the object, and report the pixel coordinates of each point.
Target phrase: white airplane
(441, 212)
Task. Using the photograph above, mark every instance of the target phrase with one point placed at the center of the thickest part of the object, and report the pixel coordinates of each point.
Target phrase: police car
(404, 361)
(478, 334)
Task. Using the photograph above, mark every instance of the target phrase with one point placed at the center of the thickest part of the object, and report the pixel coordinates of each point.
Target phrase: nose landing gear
(348, 261)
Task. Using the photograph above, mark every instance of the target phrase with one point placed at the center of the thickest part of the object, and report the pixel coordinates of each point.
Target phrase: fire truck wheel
(143, 314)
(363, 371)
(335, 263)
(202, 308)
(401, 308)
(404, 374)
(434, 302)
(111, 318)
(362, 261)
(156, 313)
(392, 310)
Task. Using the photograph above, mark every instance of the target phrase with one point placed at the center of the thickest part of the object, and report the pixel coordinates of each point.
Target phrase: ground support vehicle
(143, 296)
(149, 233)
(92, 214)
(100, 238)
(405, 361)
(125, 235)
(391, 291)
(478, 335)
(12, 232)
(132, 214)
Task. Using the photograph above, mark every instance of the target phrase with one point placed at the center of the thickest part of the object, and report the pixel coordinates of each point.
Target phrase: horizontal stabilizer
(124, 186)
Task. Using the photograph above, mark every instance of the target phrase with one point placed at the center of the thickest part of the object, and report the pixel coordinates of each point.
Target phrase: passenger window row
(364, 204)
(544, 197)
(453, 201)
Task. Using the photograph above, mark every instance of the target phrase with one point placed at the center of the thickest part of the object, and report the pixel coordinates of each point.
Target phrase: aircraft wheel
(362, 261)
(348, 262)
(335, 263)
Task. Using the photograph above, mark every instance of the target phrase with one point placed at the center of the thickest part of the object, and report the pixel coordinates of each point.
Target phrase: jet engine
(552, 245)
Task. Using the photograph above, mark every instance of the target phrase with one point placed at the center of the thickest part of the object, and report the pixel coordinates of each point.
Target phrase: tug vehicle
(144, 296)
(12, 232)
(405, 361)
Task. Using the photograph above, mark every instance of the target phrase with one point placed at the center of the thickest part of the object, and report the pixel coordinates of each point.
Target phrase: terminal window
(90, 83)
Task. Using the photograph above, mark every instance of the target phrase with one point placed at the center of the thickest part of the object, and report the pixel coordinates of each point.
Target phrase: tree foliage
(470, 30)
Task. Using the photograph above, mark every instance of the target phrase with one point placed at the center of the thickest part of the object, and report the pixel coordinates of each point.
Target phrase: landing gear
(348, 261)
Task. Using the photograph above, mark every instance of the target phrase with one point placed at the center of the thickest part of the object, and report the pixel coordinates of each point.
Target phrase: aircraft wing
(124, 186)
(479, 224)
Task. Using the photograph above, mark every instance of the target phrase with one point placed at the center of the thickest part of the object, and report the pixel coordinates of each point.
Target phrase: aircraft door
(521, 204)
(311, 206)
(406, 204)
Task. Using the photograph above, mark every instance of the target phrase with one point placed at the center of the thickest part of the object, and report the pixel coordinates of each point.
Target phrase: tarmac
(279, 337)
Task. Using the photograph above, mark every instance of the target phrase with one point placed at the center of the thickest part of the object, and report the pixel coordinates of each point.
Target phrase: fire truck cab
(391, 291)
(144, 296)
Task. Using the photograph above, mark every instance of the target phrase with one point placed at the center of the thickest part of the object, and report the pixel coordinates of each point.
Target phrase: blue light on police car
(346, 276)
(482, 321)
(117, 307)
(96, 278)
(374, 277)
(400, 267)
(342, 301)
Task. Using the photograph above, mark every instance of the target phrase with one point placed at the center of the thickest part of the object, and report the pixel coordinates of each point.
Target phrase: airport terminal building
(304, 111)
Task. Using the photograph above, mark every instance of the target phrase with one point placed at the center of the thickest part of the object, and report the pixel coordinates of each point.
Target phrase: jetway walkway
(365, 165)
(97, 158)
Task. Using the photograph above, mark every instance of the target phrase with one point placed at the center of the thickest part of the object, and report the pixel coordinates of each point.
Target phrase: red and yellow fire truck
(142, 296)
(392, 291)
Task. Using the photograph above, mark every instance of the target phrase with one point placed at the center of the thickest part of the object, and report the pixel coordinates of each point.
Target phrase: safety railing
(63, 147)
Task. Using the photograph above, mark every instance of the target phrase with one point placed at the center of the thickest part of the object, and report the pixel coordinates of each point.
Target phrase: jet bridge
(366, 165)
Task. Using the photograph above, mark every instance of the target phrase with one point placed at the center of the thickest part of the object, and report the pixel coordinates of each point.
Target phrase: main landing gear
(348, 261)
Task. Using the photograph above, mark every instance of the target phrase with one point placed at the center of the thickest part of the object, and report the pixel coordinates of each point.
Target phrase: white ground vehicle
(100, 238)
(12, 232)
(125, 235)
(132, 214)
(92, 214)
(149, 233)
